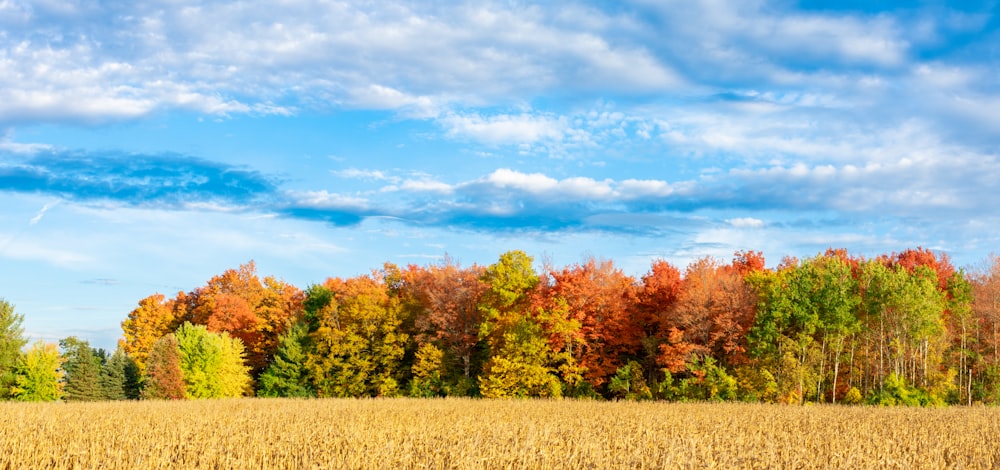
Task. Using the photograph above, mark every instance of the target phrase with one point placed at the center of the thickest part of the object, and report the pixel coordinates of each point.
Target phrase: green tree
(119, 377)
(82, 371)
(11, 342)
(805, 315)
(38, 374)
(287, 376)
(629, 383)
(163, 378)
(212, 363)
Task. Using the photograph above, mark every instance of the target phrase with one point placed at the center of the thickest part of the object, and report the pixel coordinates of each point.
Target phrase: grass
(463, 433)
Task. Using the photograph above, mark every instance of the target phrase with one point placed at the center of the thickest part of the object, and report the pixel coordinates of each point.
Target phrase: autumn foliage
(901, 328)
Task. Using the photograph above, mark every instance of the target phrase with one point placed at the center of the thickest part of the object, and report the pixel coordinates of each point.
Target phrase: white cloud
(540, 184)
(41, 213)
(426, 186)
(746, 222)
(355, 173)
(505, 128)
(325, 200)
(21, 248)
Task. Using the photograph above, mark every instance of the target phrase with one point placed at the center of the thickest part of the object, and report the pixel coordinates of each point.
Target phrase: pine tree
(113, 376)
(83, 371)
(287, 375)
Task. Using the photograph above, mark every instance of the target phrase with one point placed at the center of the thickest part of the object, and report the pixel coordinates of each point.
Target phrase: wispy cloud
(41, 213)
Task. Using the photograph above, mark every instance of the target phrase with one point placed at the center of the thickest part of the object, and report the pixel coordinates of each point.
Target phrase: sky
(148, 146)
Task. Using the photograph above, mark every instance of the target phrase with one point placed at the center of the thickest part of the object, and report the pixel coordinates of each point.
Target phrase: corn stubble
(464, 433)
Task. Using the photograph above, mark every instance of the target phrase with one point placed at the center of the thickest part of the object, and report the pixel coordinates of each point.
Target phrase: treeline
(907, 328)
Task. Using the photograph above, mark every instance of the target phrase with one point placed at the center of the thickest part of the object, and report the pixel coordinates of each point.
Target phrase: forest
(905, 328)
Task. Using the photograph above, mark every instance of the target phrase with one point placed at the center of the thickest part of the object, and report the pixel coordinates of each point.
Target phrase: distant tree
(520, 368)
(82, 371)
(599, 301)
(629, 383)
(357, 341)
(657, 296)
(163, 378)
(255, 310)
(445, 299)
(520, 363)
(39, 374)
(11, 342)
(119, 378)
(287, 376)
(427, 372)
(212, 363)
(146, 324)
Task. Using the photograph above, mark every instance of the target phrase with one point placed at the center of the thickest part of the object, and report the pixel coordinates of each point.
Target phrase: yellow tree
(356, 341)
(39, 375)
(520, 356)
(150, 321)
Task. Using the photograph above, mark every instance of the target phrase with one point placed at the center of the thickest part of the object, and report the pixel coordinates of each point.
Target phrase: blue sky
(147, 146)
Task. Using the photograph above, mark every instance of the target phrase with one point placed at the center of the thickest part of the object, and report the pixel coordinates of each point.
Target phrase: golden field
(465, 433)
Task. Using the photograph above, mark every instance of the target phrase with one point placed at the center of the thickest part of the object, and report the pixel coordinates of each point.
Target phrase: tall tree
(520, 361)
(598, 298)
(12, 340)
(163, 378)
(659, 290)
(119, 377)
(154, 318)
(287, 376)
(356, 337)
(38, 374)
(713, 313)
(445, 298)
(82, 369)
(240, 303)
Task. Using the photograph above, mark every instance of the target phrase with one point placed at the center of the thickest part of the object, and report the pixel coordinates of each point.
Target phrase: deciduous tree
(599, 300)
(163, 378)
(445, 298)
(356, 337)
(520, 361)
(154, 318)
(11, 342)
(212, 363)
(38, 374)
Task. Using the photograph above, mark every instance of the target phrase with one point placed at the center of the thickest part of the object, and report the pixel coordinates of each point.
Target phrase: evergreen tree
(287, 375)
(133, 379)
(11, 342)
(113, 376)
(82, 371)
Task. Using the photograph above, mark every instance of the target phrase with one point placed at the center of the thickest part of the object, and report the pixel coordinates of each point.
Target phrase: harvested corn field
(464, 433)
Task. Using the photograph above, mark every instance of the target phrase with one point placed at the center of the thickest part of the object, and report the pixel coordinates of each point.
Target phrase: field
(463, 433)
